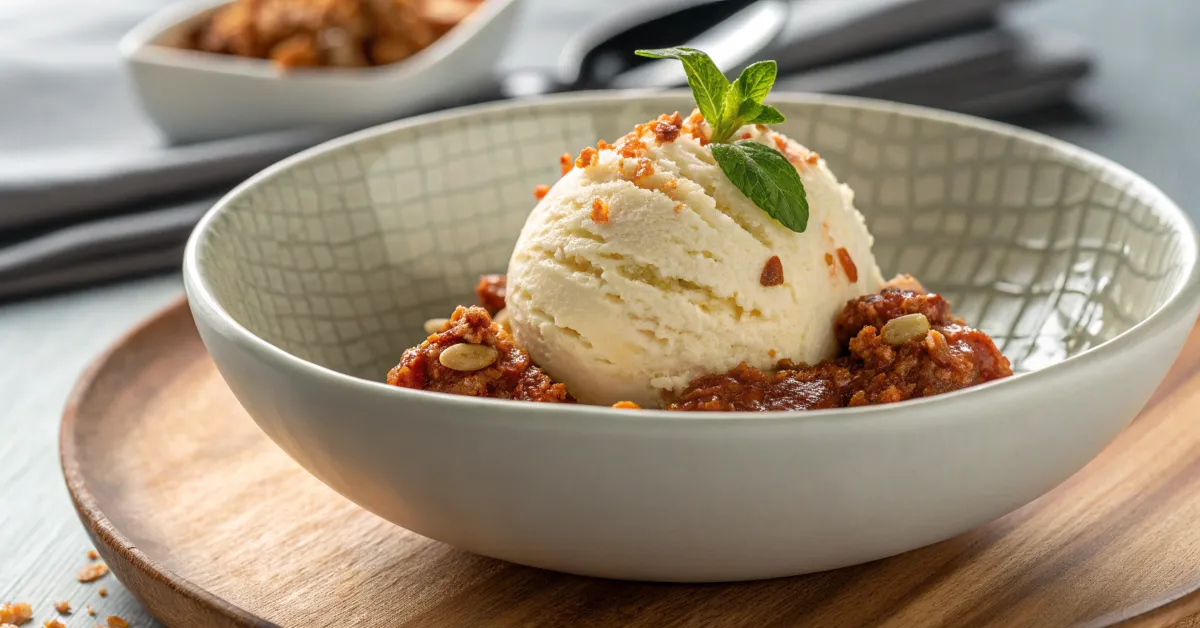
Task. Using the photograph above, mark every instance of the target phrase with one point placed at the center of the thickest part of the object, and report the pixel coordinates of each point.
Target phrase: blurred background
(94, 190)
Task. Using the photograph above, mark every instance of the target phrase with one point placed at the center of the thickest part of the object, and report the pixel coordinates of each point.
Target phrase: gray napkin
(90, 191)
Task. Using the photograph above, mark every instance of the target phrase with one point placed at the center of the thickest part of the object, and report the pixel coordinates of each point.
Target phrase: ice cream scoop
(644, 267)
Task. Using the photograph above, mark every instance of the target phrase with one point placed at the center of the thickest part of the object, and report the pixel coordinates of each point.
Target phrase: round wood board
(209, 524)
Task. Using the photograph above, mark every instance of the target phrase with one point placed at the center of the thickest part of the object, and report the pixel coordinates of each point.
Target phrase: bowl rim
(137, 46)
(1182, 303)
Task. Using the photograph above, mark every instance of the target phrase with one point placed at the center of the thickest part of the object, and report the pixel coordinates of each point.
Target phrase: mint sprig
(762, 173)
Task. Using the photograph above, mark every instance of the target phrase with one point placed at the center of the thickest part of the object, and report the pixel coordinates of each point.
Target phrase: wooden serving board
(209, 524)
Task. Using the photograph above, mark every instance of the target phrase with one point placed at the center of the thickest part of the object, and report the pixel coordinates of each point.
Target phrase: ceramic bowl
(308, 281)
(194, 95)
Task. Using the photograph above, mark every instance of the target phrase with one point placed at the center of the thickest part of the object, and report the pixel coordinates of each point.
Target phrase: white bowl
(308, 281)
(193, 95)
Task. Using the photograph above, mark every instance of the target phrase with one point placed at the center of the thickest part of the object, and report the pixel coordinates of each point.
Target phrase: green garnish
(762, 173)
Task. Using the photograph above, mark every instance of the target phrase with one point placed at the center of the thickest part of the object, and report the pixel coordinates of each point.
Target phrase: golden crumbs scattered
(92, 555)
(63, 607)
(53, 623)
(103, 592)
(91, 573)
(90, 611)
(15, 613)
(115, 622)
(540, 191)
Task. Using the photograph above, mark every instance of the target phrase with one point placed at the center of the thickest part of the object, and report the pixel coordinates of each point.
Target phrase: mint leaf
(756, 81)
(767, 115)
(708, 84)
(766, 177)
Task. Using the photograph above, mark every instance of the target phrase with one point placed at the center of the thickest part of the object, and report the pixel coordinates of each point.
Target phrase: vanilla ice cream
(645, 267)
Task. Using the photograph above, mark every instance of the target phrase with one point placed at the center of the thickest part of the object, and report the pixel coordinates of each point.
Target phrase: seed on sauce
(599, 210)
(468, 357)
(539, 192)
(848, 264)
(901, 329)
(772, 272)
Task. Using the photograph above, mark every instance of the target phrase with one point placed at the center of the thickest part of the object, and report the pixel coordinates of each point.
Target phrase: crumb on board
(114, 621)
(15, 613)
(103, 592)
(63, 607)
(91, 573)
(92, 555)
(90, 611)
(53, 623)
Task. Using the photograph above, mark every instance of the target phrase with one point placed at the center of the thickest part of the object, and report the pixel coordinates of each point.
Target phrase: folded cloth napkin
(90, 191)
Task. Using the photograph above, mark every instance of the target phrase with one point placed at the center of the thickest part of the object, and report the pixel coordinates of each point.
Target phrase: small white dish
(193, 95)
(309, 280)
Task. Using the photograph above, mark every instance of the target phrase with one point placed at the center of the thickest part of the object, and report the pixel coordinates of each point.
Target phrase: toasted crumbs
(747, 135)
(626, 405)
(599, 210)
(540, 191)
(565, 162)
(772, 272)
(692, 126)
(63, 607)
(671, 184)
(90, 611)
(116, 622)
(92, 555)
(771, 353)
(603, 145)
(53, 623)
(812, 159)
(644, 168)
(679, 207)
(586, 157)
(667, 128)
(103, 592)
(848, 264)
(15, 613)
(828, 259)
(631, 146)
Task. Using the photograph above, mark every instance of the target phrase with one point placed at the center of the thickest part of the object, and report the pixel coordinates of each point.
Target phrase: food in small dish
(328, 33)
(702, 263)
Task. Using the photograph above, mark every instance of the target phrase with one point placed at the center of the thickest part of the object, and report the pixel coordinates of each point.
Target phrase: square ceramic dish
(194, 95)
(308, 281)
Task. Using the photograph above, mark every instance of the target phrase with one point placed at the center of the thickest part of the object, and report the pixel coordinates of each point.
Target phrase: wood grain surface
(209, 523)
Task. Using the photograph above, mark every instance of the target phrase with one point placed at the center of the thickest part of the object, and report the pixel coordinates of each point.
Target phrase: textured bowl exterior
(309, 280)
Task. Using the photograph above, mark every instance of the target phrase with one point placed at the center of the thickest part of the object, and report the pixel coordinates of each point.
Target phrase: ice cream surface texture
(645, 267)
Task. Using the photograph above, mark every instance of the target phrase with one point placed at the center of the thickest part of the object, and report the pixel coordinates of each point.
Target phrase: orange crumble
(92, 555)
(780, 143)
(63, 607)
(92, 573)
(828, 259)
(53, 623)
(812, 159)
(667, 128)
(103, 592)
(116, 622)
(15, 613)
(691, 126)
(644, 168)
(90, 611)
(586, 157)
(599, 210)
(772, 273)
(848, 264)
(626, 405)
(679, 208)
(603, 145)
(540, 191)
(564, 162)
(771, 353)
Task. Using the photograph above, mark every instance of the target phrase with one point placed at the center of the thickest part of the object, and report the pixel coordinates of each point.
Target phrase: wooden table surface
(1141, 109)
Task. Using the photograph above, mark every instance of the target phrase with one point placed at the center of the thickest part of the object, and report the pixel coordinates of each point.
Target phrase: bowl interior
(339, 255)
